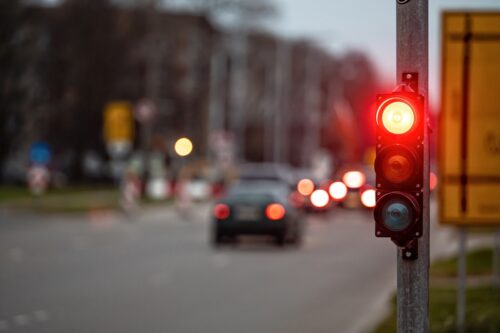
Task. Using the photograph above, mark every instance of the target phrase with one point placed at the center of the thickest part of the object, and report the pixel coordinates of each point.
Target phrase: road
(157, 273)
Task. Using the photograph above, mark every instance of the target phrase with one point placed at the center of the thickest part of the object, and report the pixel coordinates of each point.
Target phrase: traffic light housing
(399, 166)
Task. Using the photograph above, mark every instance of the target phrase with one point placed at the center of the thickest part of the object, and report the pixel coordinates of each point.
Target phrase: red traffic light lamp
(399, 165)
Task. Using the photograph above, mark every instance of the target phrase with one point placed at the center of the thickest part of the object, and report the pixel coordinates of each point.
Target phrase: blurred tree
(88, 59)
(360, 85)
(60, 65)
(10, 16)
(22, 82)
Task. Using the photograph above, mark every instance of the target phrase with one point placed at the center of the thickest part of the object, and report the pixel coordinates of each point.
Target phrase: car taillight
(320, 198)
(275, 211)
(221, 211)
(354, 179)
(305, 187)
(368, 198)
(338, 191)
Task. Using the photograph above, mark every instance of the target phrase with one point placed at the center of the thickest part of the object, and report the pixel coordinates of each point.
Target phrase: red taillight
(354, 179)
(275, 211)
(305, 186)
(368, 198)
(338, 191)
(320, 198)
(221, 211)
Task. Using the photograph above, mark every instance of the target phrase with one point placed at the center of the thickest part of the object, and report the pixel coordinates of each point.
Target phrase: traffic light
(399, 166)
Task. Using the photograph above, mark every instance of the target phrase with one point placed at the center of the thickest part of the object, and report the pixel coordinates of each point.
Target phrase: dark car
(256, 208)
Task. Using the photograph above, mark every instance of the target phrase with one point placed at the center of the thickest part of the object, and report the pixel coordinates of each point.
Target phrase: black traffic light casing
(399, 167)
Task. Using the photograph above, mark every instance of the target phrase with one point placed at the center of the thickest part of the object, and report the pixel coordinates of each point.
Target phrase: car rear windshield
(252, 197)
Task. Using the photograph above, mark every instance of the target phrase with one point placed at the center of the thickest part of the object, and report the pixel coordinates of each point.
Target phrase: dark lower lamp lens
(397, 215)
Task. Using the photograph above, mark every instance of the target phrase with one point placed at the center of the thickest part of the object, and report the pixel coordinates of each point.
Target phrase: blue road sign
(40, 153)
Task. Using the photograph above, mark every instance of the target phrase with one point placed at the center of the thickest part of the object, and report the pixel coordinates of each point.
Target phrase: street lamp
(183, 147)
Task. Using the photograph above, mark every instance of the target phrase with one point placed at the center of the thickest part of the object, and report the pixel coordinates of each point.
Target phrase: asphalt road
(157, 273)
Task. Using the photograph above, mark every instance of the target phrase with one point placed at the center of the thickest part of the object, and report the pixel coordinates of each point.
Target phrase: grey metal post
(154, 56)
(285, 105)
(216, 114)
(238, 97)
(462, 266)
(280, 112)
(413, 275)
(311, 107)
(269, 108)
(496, 259)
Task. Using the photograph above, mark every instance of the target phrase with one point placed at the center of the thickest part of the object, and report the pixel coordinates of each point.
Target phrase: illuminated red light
(368, 198)
(320, 198)
(221, 211)
(305, 186)
(275, 212)
(396, 115)
(354, 179)
(337, 190)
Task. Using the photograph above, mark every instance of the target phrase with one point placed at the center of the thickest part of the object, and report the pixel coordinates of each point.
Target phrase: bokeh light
(354, 179)
(183, 147)
(320, 198)
(337, 190)
(305, 186)
(368, 198)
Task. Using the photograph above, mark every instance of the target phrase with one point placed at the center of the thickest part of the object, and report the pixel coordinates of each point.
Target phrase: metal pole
(277, 104)
(285, 87)
(238, 89)
(462, 251)
(413, 275)
(154, 56)
(496, 259)
(311, 107)
(216, 116)
(269, 108)
(280, 113)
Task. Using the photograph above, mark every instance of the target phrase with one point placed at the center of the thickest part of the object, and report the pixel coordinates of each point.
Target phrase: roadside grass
(9, 193)
(479, 262)
(72, 199)
(483, 301)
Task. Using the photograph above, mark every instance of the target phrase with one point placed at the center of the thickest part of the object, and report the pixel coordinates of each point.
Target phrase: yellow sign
(470, 119)
(118, 122)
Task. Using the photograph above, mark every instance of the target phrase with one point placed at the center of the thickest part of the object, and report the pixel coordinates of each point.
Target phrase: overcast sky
(367, 25)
